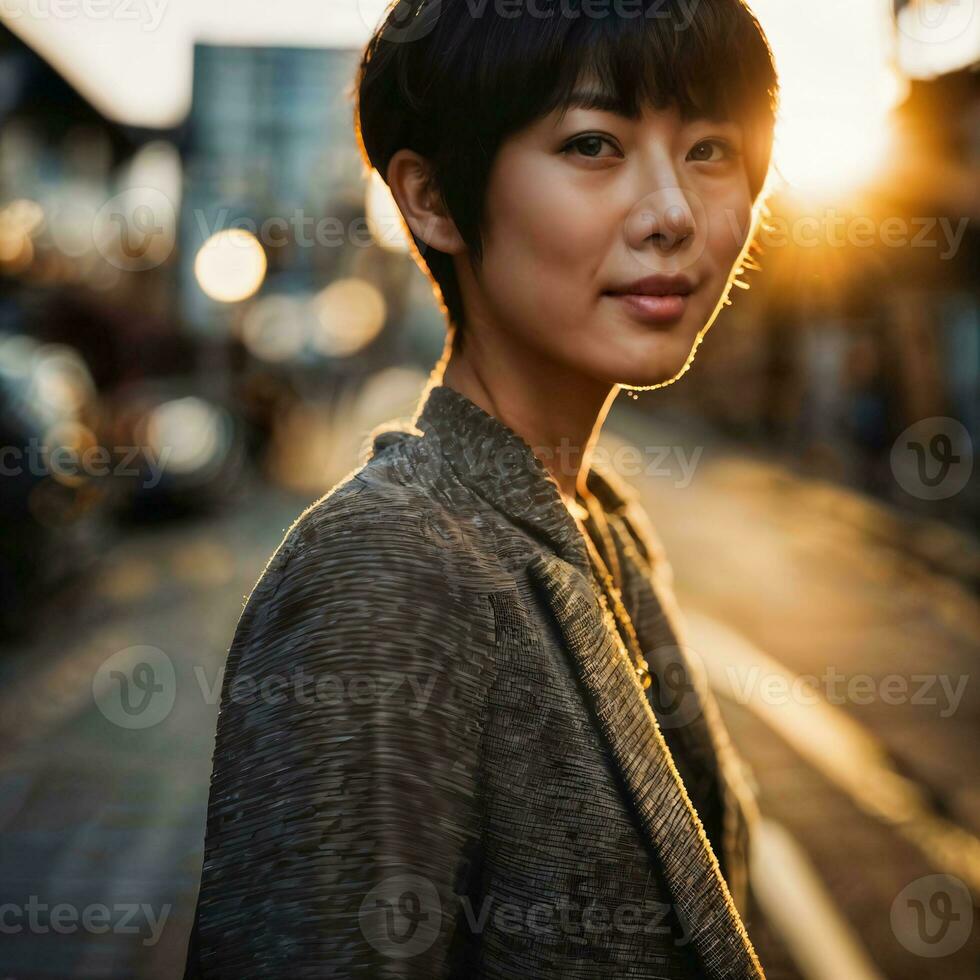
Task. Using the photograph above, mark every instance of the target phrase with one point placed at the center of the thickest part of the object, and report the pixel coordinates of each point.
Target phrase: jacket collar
(500, 466)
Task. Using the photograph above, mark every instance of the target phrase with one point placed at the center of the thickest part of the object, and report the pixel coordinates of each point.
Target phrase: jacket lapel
(702, 749)
(657, 791)
(710, 768)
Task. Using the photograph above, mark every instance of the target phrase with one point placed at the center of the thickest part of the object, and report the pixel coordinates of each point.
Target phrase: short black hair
(451, 79)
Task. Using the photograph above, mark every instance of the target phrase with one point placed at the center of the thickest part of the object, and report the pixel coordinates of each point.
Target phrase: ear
(412, 186)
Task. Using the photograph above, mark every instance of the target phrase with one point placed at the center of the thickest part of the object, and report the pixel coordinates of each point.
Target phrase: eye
(703, 152)
(588, 145)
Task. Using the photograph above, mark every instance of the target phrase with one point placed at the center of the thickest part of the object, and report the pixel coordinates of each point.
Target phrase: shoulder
(380, 550)
(404, 512)
(374, 514)
(355, 590)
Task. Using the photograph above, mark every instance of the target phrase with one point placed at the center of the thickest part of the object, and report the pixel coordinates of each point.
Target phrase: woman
(459, 735)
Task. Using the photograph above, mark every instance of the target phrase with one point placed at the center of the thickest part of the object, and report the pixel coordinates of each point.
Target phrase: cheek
(729, 225)
(539, 222)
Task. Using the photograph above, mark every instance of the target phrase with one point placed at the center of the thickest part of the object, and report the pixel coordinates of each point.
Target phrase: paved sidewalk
(93, 813)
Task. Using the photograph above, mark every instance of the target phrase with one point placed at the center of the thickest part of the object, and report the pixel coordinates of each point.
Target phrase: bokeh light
(19, 221)
(61, 383)
(231, 265)
(276, 327)
(187, 435)
(350, 314)
(384, 220)
(80, 441)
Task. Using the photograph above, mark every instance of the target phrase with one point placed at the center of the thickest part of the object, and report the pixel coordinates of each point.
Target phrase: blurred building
(269, 146)
(287, 281)
(87, 221)
(270, 152)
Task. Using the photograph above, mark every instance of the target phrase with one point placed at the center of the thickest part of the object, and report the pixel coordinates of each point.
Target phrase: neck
(558, 412)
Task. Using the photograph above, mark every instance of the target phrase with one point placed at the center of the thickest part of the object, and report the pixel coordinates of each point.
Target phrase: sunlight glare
(838, 86)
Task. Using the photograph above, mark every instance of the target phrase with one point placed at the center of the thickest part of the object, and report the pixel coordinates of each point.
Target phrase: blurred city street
(210, 297)
(98, 813)
(93, 812)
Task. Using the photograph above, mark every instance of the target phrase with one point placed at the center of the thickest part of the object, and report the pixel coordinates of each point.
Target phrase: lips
(658, 285)
(655, 299)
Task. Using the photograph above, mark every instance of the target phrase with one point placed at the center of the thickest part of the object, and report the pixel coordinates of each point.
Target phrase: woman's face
(579, 209)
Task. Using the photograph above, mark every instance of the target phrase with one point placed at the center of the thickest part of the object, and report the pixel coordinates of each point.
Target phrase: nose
(663, 220)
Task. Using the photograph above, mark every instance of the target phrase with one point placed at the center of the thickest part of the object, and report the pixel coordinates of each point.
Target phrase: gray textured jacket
(433, 756)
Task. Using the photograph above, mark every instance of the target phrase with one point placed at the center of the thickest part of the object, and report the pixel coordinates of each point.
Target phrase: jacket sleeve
(342, 828)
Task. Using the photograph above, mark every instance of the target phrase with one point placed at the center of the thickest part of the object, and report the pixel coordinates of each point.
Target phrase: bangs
(710, 60)
(647, 63)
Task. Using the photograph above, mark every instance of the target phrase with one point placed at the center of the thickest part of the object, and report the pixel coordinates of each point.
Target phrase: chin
(658, 367)
(652, 379)
(648, 375)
